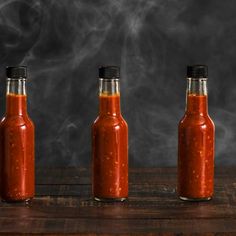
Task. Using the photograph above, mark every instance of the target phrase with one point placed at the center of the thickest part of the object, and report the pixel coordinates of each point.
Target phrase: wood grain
(63, 205)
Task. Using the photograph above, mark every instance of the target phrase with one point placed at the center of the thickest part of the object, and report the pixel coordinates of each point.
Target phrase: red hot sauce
(196, 144)
(17, 143)
(110, 145)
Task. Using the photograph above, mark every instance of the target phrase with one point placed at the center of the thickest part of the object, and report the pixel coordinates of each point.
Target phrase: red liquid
(17, 151)
(196, 151)
(110, 151)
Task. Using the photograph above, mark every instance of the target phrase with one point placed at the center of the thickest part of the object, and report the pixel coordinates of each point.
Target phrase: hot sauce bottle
(16, 141)
(109, 141)
(196, 137)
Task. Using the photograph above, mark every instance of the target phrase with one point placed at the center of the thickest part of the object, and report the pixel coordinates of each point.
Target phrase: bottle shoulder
(193, 120)
(107, 121)
(13, 121)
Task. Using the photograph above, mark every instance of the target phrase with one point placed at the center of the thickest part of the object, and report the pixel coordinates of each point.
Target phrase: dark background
(64, 41)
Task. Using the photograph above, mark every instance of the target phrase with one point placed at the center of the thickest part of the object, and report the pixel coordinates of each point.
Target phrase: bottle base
(101, 199)
(195, 199)
(26, 201)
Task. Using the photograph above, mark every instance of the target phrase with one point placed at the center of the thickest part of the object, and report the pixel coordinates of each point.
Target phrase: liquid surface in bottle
(110, 150)
(17, 151)
(196, 150)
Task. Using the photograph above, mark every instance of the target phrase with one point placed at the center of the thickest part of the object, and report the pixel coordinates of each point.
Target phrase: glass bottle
(196, 138)
(109, 141)
(17, 141)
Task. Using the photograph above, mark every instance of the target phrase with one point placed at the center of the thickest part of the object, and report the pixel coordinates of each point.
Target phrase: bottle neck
(109, 97)
(16, 97)
(196, 96)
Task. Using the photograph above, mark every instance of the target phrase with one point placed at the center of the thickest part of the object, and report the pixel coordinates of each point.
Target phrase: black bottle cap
(197, 71)
(16, 72)
(109, 72)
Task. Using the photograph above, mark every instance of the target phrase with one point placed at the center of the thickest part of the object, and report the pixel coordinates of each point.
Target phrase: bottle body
(110, 147)
(196, 137)
(17, 146)
(110, 158)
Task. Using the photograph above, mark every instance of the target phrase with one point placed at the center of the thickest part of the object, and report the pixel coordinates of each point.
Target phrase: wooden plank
(121, 212)
(159, 191)
(112, 227)
(160, 206)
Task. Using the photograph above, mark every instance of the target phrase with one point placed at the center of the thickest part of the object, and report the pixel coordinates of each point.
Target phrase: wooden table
(63, 205)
